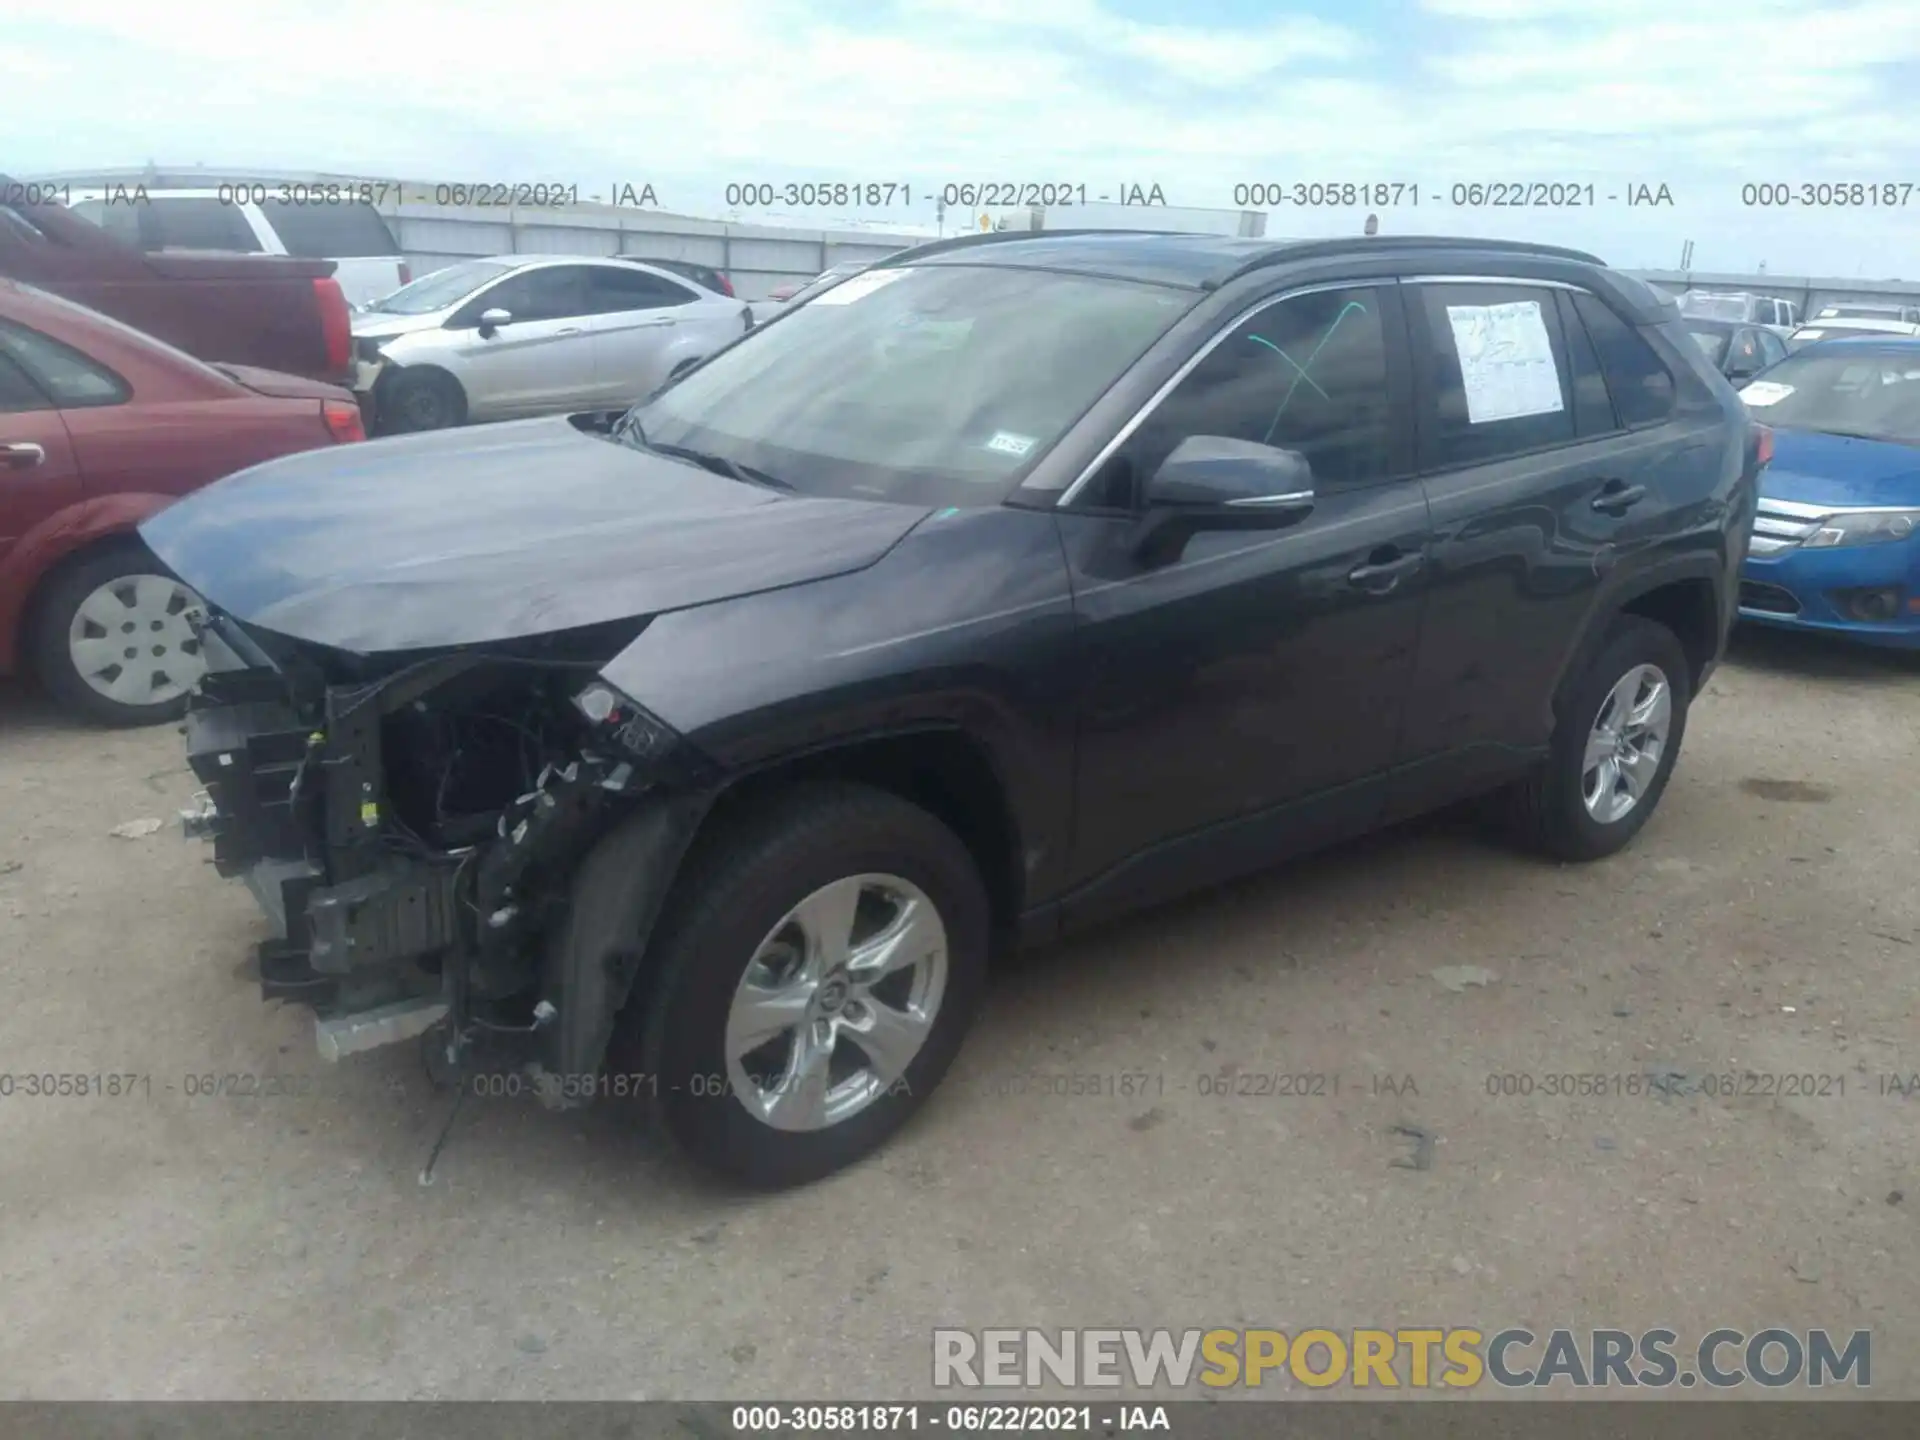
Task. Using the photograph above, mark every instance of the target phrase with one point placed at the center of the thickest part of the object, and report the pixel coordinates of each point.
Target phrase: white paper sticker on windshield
(1008, 443)
(865, 283)
(1506, 361)
(1766, 392)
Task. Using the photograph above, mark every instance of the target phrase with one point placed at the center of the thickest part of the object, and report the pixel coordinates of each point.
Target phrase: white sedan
(520, 335)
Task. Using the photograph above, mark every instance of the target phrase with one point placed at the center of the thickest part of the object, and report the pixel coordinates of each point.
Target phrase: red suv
(101, 426)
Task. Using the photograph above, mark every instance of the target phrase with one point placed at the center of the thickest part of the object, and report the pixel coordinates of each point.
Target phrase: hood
(374, 325)
(1821, 469)
(497, 532)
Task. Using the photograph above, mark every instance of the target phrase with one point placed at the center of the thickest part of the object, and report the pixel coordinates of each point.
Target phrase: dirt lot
(171, 1244)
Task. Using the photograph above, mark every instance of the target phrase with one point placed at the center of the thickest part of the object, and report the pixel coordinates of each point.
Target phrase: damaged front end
(413, 828)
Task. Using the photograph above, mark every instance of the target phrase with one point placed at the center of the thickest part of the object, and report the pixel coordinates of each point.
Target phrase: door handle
(1616, 496)
(660, 324)
(570, 330)
(1377, 577)
(23, 456)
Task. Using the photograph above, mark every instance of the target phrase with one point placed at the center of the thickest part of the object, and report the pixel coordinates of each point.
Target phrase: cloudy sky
(1196, 96)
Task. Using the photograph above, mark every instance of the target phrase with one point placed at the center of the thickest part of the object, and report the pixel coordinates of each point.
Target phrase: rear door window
(330, 232)
(1491, 369)
(121, 221)
(69, 377)
(1637, 378)
(1592, 406)
(611, 290)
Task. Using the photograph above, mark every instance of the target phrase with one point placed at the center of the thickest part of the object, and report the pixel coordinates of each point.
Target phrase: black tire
(737, 888)
(1547, 811)
(418, 400)
(54, 610)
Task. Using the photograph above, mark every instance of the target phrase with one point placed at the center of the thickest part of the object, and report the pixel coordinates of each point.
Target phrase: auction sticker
(1766, 392)
(860, 286)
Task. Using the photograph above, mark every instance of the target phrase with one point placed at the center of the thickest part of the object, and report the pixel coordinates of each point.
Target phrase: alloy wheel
(836, 1002)
(1626, 743)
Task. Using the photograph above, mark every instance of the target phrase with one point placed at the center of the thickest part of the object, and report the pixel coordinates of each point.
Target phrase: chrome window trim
(1219, 337)
(1495, 280)
(1292, 497)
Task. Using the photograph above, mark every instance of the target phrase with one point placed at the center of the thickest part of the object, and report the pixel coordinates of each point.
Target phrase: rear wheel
(818, 970)
(1614, 748)
(111, 639)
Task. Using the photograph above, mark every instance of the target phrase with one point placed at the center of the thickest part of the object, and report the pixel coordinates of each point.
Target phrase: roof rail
(988, 237)
(1313, 249)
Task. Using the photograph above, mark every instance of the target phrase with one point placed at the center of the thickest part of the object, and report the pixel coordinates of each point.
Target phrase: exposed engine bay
(413, 833)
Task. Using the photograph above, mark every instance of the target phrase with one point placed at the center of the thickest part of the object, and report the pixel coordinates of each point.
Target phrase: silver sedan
(519, 335)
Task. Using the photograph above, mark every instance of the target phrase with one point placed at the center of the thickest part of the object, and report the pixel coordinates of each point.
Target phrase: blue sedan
(1834, 545)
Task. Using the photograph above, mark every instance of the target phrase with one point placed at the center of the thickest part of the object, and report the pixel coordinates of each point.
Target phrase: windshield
(1846, 392)
(940, 385)
(1713, 342)
(825, 280)
(1714, 307)
(440, 289)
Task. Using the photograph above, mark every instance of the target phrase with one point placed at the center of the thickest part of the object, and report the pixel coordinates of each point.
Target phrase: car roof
(1188, 261)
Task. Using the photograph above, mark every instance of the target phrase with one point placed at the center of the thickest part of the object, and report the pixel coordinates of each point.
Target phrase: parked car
(704, 276)
(1777, 314)
(1736, 349)
(351, 233)
(801, 291)
(520, 335)
(1834, 547)
(100, 426)
(1841, 327)
(1016, 582)
(277, 312)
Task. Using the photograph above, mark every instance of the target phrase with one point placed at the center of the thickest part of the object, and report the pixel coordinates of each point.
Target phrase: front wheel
(420, 399)
(818, 970)
(1614, 748)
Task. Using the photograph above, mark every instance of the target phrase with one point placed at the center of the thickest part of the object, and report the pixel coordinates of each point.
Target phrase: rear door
(38, 473)
(1241, 700)
(1542, 480)
(647, 326)
(640, 321)
(542, 359)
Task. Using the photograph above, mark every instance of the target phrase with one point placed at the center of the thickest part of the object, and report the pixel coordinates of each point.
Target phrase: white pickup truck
(254, 220)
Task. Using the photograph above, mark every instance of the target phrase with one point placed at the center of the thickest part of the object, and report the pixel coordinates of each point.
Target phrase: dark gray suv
(701, 755)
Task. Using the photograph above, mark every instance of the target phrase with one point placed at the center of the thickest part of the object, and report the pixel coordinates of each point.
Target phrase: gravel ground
(167, 1244)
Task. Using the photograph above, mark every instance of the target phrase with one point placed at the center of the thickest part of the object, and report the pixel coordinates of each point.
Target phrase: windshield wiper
(1862, 435)
(628, 431)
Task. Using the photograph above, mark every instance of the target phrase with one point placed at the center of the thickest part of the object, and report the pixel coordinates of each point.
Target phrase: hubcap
(836, 1002)
(1628, 739)
(130, 640)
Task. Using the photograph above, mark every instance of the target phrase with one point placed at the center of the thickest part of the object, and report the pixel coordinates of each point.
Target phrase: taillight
(1764, 436)
(343, 420)
(336, 329)
(726, 287)
(406, 273)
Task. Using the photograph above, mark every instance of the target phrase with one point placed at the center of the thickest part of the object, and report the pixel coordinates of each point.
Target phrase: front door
(1243, 701)
(542, 358)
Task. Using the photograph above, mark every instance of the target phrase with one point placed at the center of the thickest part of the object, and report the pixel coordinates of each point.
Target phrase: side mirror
(1210, 482)
(492, 320)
